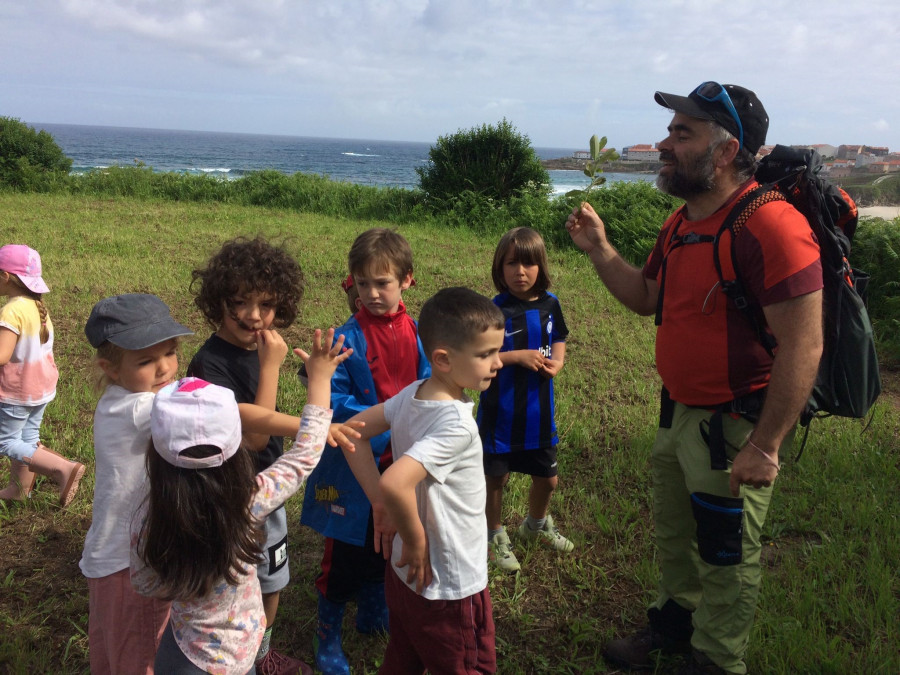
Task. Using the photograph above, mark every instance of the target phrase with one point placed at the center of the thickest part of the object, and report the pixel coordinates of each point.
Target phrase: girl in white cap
(196, 538)
(28, 377)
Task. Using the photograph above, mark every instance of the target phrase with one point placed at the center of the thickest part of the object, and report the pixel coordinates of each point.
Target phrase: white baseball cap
(192, 412)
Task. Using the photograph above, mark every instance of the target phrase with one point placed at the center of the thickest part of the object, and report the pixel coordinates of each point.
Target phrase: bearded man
(729, 406)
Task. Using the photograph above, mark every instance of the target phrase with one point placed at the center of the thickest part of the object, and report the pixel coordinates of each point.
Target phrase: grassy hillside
(830, 593)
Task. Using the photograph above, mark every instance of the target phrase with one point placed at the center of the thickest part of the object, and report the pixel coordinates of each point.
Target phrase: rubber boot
(21, 481)
(371, 609)
(64, 472)
(330, 657)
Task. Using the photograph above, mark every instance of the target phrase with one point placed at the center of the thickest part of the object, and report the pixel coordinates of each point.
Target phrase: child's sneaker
(548, 535)
(500, 551)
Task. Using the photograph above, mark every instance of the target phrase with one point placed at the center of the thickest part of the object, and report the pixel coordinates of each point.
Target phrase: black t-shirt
(221, 363)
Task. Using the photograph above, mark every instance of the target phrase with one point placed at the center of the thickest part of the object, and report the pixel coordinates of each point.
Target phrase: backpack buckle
(691, 238)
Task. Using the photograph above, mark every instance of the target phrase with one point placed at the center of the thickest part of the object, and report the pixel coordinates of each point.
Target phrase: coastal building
(824, 149)
(640, 153)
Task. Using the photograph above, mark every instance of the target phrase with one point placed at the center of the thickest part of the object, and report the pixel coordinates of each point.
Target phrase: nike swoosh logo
(508, 334)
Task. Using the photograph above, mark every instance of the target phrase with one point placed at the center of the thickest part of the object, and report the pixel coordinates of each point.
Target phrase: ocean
(231, 155)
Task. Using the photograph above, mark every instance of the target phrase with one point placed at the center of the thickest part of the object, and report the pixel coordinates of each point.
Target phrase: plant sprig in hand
(593, 169)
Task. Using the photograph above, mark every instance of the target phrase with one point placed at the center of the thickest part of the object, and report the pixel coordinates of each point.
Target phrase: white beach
(886, 212)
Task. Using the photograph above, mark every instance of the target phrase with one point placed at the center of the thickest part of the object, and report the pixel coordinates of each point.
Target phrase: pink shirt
(30, 376)
(221, 632)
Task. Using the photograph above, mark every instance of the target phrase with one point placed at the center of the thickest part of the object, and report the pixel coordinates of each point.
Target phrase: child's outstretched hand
(342, 434)
(321, 363)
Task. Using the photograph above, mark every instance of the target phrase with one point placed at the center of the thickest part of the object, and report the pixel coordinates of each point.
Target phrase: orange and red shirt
(707, 350)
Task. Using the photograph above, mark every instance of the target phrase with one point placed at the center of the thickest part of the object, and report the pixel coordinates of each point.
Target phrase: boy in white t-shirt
(136, 340)
(433, 495)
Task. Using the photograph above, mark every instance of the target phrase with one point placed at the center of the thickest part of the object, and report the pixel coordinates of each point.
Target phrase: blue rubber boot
(330, 657)
(371, 609)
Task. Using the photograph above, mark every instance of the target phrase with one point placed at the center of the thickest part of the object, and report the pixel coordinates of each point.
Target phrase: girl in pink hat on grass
(28, 377)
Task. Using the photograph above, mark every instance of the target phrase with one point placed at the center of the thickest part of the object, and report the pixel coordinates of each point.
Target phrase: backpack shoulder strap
(734, 223)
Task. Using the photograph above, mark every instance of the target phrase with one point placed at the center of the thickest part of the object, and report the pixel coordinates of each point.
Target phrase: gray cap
(132, 321)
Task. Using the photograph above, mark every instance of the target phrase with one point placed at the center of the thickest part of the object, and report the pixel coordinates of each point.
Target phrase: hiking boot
(548, 536)
(276, 663)
(634, 652)
(701, 664)
(501, 553)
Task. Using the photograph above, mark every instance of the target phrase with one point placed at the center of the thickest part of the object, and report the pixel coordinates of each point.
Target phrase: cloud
(419, 68)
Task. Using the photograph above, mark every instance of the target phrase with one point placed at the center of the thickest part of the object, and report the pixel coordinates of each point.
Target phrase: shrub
(633, 214)
(876, 250)
(493, 162)
(30, 160)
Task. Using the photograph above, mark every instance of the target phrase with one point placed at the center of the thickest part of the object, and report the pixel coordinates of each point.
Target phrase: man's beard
(693, 176)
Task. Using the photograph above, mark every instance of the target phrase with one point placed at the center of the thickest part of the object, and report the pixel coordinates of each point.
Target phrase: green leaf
(595, 146)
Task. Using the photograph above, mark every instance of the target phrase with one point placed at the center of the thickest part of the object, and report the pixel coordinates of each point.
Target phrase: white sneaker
(501, 553)
(548, 536)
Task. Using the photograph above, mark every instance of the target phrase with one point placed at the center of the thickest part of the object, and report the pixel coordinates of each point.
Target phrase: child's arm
(8, 341)
(555, 363)
(532, 359)
(362, 464)
(271, 349)
(286, 475)
(398, 486)
(264, 421)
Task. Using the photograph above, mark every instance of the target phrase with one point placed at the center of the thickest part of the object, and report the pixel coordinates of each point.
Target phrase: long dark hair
(199, 528)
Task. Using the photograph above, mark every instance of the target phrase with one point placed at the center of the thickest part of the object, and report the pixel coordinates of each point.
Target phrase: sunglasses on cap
(715, 93)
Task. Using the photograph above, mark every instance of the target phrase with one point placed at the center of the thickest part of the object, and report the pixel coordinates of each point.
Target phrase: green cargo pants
(708, 541)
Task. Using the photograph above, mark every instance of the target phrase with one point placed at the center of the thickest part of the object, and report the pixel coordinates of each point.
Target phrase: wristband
(764, 454)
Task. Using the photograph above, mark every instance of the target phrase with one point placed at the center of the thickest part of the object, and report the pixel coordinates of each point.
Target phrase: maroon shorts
(445, 637)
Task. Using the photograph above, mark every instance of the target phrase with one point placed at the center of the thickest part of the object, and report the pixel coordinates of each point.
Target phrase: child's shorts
(273, 572)
(441, 636)
(540, 462)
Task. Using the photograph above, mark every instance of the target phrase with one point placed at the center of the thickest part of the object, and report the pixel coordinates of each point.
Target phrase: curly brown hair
(245, 265)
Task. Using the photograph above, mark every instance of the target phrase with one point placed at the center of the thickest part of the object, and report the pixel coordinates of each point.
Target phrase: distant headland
(577, 164)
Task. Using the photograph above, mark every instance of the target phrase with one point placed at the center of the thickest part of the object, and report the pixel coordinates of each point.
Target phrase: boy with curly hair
(246, 291)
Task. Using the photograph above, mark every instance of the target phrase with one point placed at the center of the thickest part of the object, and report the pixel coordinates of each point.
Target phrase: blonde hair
(112, 354)
(41, 307)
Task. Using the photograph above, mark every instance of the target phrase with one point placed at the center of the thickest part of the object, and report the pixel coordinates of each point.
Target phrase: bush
(633, 214)
(30, 160)
(876, 250)
(493, 162)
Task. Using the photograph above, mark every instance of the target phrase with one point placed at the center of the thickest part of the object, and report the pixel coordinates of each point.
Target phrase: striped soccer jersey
(517, 410)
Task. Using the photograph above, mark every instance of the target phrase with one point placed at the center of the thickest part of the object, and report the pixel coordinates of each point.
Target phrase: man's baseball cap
(132, 321)
(734, 108)
(192, 412)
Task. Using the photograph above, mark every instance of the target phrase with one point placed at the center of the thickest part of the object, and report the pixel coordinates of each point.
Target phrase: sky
(558, 70)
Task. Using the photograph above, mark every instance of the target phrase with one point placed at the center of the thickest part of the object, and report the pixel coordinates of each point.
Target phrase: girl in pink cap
(28, 377)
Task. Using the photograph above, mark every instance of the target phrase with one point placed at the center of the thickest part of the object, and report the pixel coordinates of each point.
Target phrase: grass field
(830, 598)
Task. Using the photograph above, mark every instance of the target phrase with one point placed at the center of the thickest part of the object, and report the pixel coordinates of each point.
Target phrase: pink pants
(444, 637)
(124, 627)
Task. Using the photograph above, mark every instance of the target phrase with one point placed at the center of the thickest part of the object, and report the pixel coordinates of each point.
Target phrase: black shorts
(540, 462)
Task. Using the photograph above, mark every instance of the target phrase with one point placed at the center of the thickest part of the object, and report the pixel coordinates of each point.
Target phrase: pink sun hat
(25, 263)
